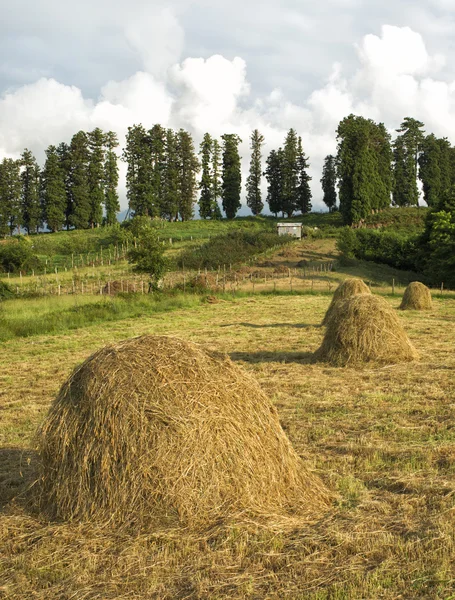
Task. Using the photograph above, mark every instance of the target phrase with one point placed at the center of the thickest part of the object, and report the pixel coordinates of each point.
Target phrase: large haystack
(347, 289)
(154, 429)
(364, 328)
(416, 297)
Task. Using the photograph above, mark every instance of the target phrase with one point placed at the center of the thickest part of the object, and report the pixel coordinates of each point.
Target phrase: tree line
(372, 172)
(76, 184)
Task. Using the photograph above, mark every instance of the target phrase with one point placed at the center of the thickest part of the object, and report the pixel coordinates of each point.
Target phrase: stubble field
(382, 438)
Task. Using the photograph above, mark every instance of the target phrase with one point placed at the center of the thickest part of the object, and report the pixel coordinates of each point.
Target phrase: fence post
(442, 287)
(393, 286)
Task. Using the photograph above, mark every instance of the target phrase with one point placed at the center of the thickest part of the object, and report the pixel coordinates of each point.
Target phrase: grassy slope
(383, 438)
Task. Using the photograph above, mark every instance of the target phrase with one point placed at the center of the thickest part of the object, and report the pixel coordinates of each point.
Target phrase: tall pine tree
(79, 181)
(139, 186)
(205, 185)
(232, 176)
(10, 196)
(407, 147)
(363, 168)
(430, 170)
(253, 184)
(31, 207)
(170, 178)
(217, 185)
(157, 140)
(64, 157)
(290, 174)
(303, 187)
(96, 141)
(188, 169)
(53, 191)
(274, 176)
(111, 200)
(328, 182)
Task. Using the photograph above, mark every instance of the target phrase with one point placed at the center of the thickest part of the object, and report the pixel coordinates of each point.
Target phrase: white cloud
(396, 77)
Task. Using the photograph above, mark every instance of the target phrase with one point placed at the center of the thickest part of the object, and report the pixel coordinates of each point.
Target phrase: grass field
(382, 438)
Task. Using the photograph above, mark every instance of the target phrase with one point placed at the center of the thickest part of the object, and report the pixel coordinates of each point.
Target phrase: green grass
(58, 314)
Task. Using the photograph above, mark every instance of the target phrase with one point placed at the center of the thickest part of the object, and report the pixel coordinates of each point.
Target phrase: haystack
(155, 430)
(416, 297)
(364, 328)
(347, 289)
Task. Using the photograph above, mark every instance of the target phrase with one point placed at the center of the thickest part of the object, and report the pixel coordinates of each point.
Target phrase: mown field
(382, 438)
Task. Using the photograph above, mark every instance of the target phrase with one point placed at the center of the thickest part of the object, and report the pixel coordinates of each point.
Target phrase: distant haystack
(154, 430)
(416, 297)
(347, 289)
(364, 328)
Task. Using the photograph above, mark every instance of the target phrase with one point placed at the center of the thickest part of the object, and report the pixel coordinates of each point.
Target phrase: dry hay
(364, 328)
(416, 297)
(156, 431)
(346, 289)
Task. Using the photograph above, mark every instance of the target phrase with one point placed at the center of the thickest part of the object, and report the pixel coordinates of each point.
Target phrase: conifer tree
(445, 164)
(96, 141)
(31, 208)
(303, 187)
(216, 179)
(407, 147)
(53, 191)
(79, 181)
(205, 185)
(274, 176)
(328, 182)
(10, 196)
(157, 140)
(430, 170)
(64, 157)
(253, 184)
(383, 155)
(290, 174)
(232, 176)
(188, 169)
(139, 186)
(170, 179)
(363, 168)
(111, 200)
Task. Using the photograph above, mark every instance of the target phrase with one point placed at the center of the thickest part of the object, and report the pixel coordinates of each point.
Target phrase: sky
(223, 67)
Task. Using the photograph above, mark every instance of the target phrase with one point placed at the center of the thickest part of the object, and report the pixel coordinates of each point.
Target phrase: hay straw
(363, 329)
(154, 430)
(346, 289)
(416, 297)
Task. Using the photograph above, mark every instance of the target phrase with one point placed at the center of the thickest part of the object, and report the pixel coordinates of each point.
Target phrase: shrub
(18, 255)
(232, 248)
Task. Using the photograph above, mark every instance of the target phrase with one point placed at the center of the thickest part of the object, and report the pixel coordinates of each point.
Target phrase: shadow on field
(267, 325)
(17, 471)
(279, 357)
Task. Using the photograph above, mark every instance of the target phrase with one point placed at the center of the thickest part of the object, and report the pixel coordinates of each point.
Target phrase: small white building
(293, 229)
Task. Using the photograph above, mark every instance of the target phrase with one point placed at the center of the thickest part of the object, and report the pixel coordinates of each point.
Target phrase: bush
(232, 248)
(18, 255)
(388, 247)
(5, 291)
(148, 256)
